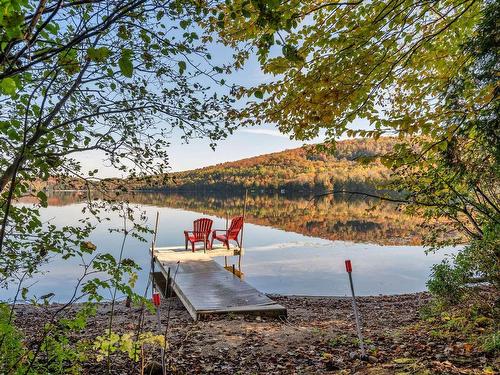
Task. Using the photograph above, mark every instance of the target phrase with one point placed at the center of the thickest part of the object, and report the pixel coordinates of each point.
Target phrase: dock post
(167, 288)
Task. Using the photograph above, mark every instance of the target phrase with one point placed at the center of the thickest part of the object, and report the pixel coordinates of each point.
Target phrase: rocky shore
(318, 337)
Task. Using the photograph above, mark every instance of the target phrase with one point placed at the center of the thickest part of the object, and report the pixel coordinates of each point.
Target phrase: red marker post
(156, 299)
(348, 268)
(157, 302)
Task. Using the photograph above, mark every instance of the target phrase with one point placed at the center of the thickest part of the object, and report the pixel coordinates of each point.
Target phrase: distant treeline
(303, 169)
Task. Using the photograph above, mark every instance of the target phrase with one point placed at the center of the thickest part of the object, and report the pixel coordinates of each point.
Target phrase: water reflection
(345, 218)
(292, 246)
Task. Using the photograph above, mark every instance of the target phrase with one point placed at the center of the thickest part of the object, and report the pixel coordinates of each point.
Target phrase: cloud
(271, 132)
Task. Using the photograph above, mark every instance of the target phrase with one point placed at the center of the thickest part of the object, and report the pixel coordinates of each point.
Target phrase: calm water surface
(275, 260)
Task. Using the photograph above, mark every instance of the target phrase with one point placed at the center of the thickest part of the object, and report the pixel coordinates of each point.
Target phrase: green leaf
(98, 54)
(8, 86)
(123, 32)
(185, 23)
(182, 66)
(259, 94)
(52, 28)
(125, 64)
(273, 4)
(43, 198)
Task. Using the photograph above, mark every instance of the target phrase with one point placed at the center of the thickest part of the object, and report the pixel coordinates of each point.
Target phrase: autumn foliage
(302, 169)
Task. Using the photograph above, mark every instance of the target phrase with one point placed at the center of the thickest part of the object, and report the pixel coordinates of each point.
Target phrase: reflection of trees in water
(61, 198)
(331, 217)
(357, 225)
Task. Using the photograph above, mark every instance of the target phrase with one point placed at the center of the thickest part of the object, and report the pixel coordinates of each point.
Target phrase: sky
(197, 153)
(243, 143)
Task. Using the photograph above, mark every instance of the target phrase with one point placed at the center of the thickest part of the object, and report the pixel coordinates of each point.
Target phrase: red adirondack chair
(228, 234)
(200, 233)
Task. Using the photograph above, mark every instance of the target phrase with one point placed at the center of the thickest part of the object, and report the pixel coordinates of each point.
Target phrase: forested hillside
(300, 169)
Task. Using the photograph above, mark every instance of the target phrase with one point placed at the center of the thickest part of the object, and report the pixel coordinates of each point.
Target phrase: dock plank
(205, 287)
(217, 251)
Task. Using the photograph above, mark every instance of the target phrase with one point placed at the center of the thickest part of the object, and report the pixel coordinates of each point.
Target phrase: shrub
(11, 347)
(477, 262)
(55, 353)
(447, 282)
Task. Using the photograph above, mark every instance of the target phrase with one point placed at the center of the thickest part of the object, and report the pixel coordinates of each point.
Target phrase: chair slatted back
(202, 227)
(235, 227)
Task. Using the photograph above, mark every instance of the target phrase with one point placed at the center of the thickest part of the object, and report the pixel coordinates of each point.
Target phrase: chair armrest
(219, 230)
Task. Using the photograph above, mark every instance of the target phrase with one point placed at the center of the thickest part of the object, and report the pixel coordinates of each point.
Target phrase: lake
(293, 245)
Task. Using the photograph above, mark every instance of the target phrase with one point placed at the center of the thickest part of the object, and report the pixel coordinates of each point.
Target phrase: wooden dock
(206, 288)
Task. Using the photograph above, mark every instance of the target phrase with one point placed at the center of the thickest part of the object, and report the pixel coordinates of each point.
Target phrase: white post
(348, 267)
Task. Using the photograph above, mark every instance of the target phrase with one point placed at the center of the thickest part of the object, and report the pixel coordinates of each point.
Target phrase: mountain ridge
(303, 169)
(299, 169)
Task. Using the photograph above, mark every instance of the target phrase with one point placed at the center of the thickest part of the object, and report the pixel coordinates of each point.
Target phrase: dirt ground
(318, 337)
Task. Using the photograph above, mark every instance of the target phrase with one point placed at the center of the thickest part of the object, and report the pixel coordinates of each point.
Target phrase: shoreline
(270, 295)
(318, 337)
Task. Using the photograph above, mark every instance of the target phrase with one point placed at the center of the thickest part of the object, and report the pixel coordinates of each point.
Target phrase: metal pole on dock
(156, 228)
(227, 225)
(241, 237)
(348, 268)
(244, 214)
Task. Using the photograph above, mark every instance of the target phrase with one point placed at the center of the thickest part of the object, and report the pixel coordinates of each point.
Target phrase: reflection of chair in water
(200, 233)
(230, 234)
